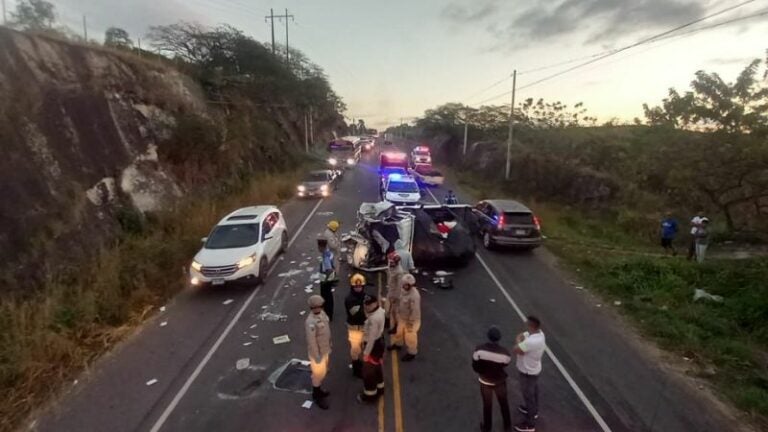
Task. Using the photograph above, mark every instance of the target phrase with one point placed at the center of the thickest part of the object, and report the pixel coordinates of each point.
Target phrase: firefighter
(394, 273)
(318, 331)
(331, 234)
(354, 303)
(373, 353)
(327, 275)
(408, 319)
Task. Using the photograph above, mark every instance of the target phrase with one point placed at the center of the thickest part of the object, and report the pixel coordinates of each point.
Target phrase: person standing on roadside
(702, 240)
(395, 272)
(669, 230)
(408, 318)
(318, 331)
(489, 361)
(373, 353)
(406, 259)
(529, 350)
(355, 307)
(327, 275)
(695, 223)
(331, 234)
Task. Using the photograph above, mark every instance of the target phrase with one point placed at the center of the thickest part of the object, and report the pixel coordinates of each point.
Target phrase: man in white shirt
(695, 223)
(529, 349)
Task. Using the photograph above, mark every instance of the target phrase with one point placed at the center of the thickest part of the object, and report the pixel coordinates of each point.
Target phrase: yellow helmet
(333, 225)
(357, 279)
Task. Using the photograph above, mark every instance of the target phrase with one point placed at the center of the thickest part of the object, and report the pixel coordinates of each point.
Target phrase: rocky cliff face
(81, 129)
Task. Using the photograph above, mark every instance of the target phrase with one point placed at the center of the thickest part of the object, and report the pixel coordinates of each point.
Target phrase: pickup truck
(427, 175)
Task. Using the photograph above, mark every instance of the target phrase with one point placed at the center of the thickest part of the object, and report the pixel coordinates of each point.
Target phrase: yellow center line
(398, 401)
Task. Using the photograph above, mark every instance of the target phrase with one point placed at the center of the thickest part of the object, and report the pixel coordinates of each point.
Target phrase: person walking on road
(669, 230)
(327, 275)
(408, 318)
(373, 353)
(355, 307)
(406, 259)
(702, 240)
(394, 273)
(318, 331)
(450, 198)
(489, 361)
(529, 350)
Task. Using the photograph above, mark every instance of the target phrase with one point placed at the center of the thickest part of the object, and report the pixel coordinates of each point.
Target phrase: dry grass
(48, 338)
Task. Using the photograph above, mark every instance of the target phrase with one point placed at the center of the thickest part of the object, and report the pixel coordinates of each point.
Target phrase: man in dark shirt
(354, 304)
(489, 361)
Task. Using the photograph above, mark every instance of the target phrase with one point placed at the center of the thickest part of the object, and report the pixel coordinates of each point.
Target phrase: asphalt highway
(595, 377)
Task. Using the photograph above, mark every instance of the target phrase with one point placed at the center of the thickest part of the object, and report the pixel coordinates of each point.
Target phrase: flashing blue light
(395, 176)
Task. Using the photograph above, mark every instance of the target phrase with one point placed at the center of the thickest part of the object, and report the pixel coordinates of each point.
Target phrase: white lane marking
(591, 408)
(177, 398)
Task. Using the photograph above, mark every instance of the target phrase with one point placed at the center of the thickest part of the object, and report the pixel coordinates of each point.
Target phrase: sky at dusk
(393, 59)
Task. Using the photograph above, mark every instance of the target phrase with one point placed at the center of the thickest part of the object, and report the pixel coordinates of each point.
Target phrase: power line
(655, 38)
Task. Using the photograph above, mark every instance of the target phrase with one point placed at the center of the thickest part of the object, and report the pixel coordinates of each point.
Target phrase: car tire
(487, 241)
(283, 242)
(263, 268)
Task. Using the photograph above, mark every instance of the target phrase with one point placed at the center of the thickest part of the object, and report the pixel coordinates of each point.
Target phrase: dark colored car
(503, 222)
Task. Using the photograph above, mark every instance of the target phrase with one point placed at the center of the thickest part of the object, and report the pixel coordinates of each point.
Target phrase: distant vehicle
(421, 155)
(367, 144)
(504, 222)
(400, 189)
(240, 247)
(317, 184)
(343, 153)
(384, 173)
(427, 175)
(393, 159)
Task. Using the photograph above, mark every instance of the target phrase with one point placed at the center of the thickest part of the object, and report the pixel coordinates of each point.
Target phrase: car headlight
(333, 161)
(324, 187)
(245, 262)
(350, 161)
(197, 266)
(301, 188)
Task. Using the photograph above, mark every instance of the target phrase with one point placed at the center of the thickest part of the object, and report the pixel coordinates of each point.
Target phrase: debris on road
(302, 312)
(247, 343)
(162, 308)
(315, 277)
(304, 264)
(281, 339)
(289, 273)
(325, 213)
(253, 326)
(441, 273)
(164, 323)
(579, 287)
(227, 301)
(702, 294)
(293, 262)
(617, 303)
(269, 316)
(493, 300)
(307, 404)
(253, 336)
(243, 363)
(343, 250)
(152, 382)
(599, 305)
(309, 269)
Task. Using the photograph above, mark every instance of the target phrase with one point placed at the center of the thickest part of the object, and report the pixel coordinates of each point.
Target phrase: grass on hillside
(727, 343)
(79, 314)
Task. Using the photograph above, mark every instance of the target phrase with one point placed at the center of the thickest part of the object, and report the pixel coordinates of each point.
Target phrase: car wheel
(263, 267)
(487, 242)
(284, 242)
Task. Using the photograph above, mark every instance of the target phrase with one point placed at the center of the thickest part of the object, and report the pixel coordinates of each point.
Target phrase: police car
(401, 189)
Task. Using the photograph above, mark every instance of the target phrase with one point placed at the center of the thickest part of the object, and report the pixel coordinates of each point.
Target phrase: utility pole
(466, 124)
(511, 122)
(271, 19)
(311, 128)
(287, 50)
(85, 29)
(306, 133)
(5, 18)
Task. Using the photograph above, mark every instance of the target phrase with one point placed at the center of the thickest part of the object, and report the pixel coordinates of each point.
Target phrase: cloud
(587, 21)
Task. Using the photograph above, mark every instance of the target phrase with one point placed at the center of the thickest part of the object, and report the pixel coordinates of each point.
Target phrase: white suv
(401, 189)
(240, 247)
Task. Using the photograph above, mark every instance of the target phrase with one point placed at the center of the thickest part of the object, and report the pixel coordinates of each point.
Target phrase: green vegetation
(601, 192)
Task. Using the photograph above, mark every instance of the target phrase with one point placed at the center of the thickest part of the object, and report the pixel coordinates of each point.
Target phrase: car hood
(223, 257)
(313, 184)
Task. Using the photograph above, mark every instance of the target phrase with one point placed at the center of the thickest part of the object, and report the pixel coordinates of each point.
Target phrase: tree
(715, 105)
(117, 37)
(34, 15)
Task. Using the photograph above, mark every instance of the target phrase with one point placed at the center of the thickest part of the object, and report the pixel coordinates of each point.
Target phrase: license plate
(217, 282)
(520, 232)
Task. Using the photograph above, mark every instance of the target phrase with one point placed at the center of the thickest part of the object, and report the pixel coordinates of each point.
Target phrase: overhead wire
(661, 36)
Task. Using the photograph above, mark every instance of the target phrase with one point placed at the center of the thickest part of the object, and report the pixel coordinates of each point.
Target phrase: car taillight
(501, 221)
(537, 222)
